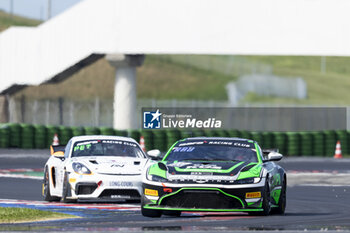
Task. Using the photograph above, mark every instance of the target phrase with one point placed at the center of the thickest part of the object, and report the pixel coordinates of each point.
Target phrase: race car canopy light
(81, 169)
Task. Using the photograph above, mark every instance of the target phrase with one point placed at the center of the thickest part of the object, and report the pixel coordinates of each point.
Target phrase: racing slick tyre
(150, 213)
(282, 201)
(66, 191)
(46, 188)
(266, 206)
(173, 213)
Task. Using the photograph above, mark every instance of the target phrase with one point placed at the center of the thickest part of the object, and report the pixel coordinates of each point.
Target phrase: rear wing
(57, 150)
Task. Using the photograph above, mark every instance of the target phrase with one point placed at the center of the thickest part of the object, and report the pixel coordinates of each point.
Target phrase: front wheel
(149, 212)
(66, 190)
(266, 206)
(46, 188)
(282, 201)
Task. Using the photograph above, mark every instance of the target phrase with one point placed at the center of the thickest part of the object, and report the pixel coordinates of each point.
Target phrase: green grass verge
(164, 79)
(329, 88)
(324, 88)
(15, 215)
(7, 20)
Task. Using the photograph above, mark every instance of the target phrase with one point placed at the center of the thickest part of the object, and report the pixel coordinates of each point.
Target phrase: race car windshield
(106, 148)
(212, 153)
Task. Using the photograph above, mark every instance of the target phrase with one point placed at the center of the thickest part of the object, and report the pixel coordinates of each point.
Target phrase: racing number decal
(82, 147)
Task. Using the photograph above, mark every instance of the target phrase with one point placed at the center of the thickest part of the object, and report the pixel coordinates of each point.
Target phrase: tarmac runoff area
(318, 200)
(310, 171)
(318, 179)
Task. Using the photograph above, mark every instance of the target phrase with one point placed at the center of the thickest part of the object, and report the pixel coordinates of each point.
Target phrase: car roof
(101, 137)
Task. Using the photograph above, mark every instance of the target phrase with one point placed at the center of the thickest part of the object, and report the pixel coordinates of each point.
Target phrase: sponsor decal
(183, 149)
(202, 173)
(151, 120)
(253, 195)
(179, 164)
(214, 143)
(220, 143)
(203, 166)
(119, 196)
(192, 143)
(121, 184)
(119, 142)
(240, 144)
(157, 120)
(151, 192)
(192, 123)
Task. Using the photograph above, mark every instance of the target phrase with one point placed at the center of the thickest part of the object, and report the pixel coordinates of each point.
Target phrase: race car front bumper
(106, 187)
(200, 198)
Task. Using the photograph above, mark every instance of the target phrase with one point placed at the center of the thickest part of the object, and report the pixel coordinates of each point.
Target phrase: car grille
(120, 193)
(201, 199)
(85, 189)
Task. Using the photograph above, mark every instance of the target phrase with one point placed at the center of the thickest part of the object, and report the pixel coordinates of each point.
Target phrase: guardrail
(308, 143)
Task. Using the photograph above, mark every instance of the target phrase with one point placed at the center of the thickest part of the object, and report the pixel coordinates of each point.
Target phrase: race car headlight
(156, 178)
(252, 180)
(81, 169)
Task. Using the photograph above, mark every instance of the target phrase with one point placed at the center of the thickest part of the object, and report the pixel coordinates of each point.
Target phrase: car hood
(113, 165)
(215, 167)
(205, 171)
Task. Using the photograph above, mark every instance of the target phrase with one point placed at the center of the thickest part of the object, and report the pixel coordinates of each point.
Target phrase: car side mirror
(274, 156)
(154, 154)
(57, 151)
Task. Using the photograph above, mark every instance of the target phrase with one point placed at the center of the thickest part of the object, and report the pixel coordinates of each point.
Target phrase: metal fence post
(97, 111)
(60, 110)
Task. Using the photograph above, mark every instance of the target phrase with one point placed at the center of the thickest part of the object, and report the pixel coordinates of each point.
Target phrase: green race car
(215, 174)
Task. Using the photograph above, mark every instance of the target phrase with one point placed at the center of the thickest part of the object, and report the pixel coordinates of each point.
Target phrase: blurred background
(193, 81)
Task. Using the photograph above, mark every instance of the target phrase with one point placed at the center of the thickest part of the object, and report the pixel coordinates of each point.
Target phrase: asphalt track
(312, 204)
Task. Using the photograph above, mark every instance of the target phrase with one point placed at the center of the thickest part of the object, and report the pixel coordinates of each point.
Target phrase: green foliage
(13, 215)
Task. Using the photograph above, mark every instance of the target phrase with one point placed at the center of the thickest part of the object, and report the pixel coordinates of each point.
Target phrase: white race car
(95, 167)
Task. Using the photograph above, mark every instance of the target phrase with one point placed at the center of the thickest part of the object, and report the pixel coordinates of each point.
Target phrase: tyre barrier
(107, 131)
(330, 140)
(78, 131)
(173, 135)
(15, 135)
(66, 133)
(40, 136)
(159, 140)
(293, 145)
(135, 134)
(306, 143)
(4, 136)
(92, 131)
(122, 133)
(27, 136)
(280, 142)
